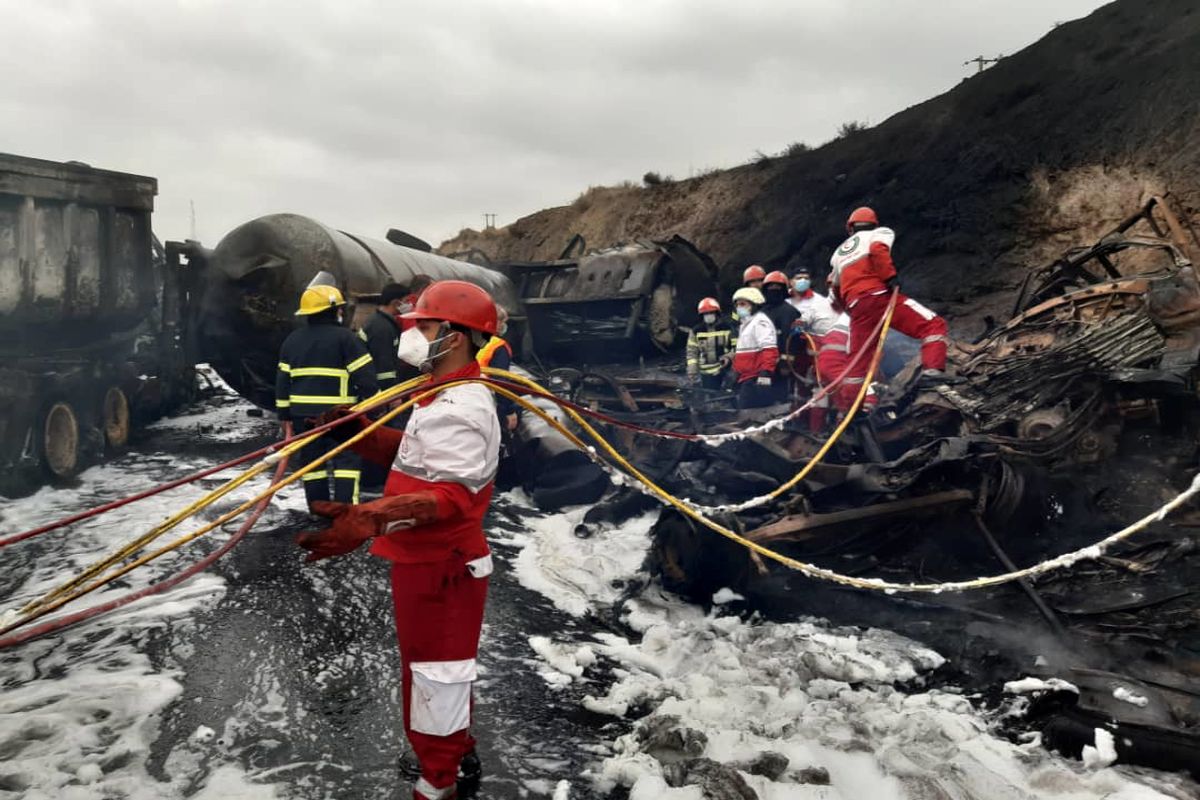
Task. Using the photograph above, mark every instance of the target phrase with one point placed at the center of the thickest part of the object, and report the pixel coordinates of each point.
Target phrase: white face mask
(415, 349)
(710, 318)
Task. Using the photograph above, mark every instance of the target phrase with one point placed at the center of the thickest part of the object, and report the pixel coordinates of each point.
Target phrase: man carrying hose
(429, 524)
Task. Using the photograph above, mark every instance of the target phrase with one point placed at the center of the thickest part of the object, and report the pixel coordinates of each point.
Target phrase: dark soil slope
(1044, 150)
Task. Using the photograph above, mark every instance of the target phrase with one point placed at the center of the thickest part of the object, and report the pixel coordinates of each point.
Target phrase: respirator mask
(420, 352)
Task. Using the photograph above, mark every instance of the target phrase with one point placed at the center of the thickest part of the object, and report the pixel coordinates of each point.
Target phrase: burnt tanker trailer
(251, 282)
(598, 306)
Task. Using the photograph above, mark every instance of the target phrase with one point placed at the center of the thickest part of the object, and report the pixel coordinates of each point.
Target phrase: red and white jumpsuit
(440, 570)
(756, 356)
(862, 267)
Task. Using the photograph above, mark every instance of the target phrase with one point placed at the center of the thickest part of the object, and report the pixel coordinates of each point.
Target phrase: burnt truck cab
(619, 302)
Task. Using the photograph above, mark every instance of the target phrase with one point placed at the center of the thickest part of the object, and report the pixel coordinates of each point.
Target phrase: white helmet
(750, 295)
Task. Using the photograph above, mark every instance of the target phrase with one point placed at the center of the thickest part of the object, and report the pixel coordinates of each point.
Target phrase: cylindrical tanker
(255, 275)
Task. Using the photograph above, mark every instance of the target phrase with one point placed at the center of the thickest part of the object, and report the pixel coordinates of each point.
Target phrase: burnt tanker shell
(255, 275)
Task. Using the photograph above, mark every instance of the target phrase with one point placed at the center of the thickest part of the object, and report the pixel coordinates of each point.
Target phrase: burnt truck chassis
(87, 348)
(1073, 418)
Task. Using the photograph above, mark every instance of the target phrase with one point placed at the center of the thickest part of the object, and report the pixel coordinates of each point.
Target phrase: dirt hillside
(1044, 150)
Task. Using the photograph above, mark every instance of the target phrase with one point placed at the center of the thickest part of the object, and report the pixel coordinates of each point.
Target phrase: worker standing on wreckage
(829, 332)
(429, 524)
(757, 351)
(321, 366)
(709, 346)
(783, 316)
(861, 283)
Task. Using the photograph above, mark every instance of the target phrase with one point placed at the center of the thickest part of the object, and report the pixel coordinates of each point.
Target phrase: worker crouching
(429, 524)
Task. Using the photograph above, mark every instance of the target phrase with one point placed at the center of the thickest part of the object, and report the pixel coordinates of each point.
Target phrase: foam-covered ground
(265, 678)
(79, 709)
(850, 713)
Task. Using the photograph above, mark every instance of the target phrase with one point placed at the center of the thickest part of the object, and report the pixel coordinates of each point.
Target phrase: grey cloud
(426, 114)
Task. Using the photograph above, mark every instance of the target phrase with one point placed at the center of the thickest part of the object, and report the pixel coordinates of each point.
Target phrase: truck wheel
(60, 440)
(115, 418)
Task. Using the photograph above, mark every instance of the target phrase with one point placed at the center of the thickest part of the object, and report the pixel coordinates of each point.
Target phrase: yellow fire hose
(76, 587)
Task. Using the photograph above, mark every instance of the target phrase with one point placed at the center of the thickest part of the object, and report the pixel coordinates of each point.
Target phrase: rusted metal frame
(805, 526)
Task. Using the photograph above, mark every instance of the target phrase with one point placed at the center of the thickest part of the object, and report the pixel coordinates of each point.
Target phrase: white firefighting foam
(846, 703)
(79, 711)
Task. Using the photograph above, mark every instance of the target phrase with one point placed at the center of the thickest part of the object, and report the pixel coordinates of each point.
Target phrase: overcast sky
(424, 114)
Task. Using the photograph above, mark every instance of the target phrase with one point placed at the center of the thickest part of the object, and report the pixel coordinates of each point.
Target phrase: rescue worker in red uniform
(429, 525)
(757, 352)
(752, 278)
(861, 281)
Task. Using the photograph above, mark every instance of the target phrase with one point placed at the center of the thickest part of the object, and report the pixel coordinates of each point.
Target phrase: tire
(115, 419)
(60, 440)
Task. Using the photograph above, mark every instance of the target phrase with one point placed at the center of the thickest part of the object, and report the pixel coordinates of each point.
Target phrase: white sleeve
(765, 334)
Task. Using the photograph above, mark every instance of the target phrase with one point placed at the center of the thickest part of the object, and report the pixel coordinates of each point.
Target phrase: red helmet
(457, 302)
(708, 305)
(775, 277)
(753, 273)
(861, 216)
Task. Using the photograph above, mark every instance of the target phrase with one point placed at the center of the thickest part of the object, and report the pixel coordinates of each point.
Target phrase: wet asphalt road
(295, 670)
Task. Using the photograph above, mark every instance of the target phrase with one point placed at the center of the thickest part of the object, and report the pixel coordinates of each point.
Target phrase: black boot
(409, 766)
(470, 772)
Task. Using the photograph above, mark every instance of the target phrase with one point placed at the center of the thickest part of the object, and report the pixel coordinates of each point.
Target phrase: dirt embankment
(1045, 150)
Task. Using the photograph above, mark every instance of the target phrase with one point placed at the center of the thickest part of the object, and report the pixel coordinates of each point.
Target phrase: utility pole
(192, 204)
(489, 221)
(981, 62)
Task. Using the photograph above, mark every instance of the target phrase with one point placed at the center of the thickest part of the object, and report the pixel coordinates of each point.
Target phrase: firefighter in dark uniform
(381, 332)
(323, 365)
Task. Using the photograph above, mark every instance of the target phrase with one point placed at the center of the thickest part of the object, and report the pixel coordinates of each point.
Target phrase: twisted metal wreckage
(1077, 412)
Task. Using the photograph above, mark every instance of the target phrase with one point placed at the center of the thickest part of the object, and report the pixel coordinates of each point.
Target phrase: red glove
(355, 524)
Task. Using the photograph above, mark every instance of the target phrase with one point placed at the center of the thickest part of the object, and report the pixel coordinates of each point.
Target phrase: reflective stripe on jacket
(706, 347)
(321, 366)
(488, 352)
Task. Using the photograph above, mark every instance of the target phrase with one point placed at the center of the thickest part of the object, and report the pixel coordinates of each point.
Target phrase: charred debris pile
(1074, 417)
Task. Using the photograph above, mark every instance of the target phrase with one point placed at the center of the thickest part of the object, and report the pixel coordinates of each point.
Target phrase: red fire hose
(58, 623)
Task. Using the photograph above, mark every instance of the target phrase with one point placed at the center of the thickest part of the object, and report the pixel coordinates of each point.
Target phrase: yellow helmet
(319, 298)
